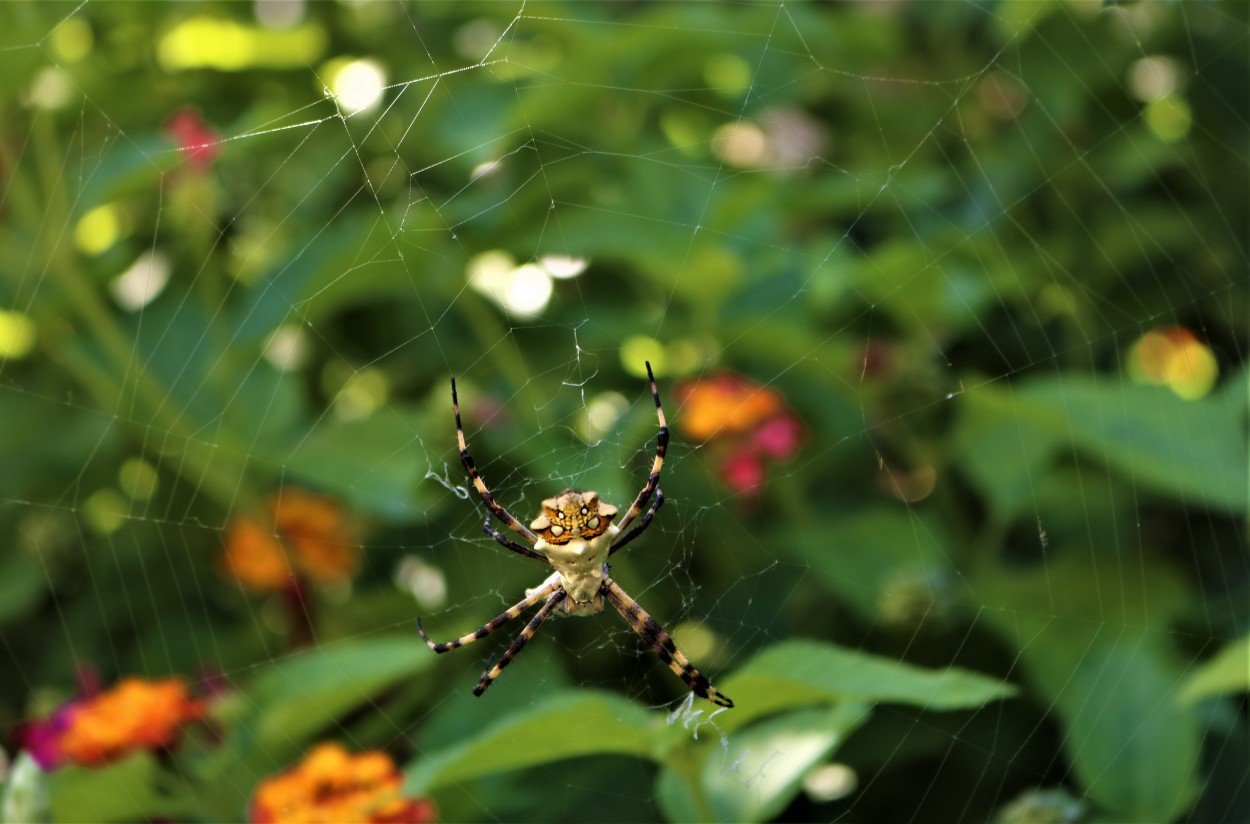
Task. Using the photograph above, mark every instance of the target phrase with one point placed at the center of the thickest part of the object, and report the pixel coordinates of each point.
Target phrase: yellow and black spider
(575, 536)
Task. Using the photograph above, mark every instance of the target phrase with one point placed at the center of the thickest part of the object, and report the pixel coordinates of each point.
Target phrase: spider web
(935, 233)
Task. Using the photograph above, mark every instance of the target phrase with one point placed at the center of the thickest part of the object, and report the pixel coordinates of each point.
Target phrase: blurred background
(946, 304)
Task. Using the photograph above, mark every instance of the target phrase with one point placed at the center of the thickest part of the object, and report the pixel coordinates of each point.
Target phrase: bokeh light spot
(1169, 118)
(98, 229)
(740, 144)
(1153, 78)
(362, 394)
(357, 85)
(637, 351)
(105, 511)
(204, 42)
(287, 348)
(1174, 357)
(522, 291)
(727, 74)
(51, 89)
(138, 479)
(72, 40)
(17, 335)
(829, 782)
(142, 282)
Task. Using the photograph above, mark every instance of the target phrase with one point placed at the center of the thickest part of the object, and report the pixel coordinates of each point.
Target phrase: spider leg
(513, 545)
(661, 446)
(654, 634)
(491, 673)
(492, 625)
(488, 499)
(646, 520)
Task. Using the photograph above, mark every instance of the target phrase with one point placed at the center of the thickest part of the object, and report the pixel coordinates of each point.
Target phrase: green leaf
(1092, 642)
(795, 673)
(1228, 672)
(22, 584)
(374, 464)
(759, 771)
(125, 790)
(861, 554)
(564, 725)
(304, 693)
(1192, 450)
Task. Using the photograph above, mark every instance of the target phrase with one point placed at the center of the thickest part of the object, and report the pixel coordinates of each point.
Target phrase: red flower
(198, 143)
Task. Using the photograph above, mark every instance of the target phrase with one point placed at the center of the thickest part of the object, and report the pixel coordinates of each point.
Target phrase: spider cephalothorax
(573, 514)
(575, 536)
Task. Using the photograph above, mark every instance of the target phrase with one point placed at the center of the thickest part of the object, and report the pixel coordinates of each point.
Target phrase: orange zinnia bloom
(305, 534)
(333, 785)
(750, 423)
(135, 714)
(725, 405)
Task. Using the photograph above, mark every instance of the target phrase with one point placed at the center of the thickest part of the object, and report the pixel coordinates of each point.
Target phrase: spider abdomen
(579, 564)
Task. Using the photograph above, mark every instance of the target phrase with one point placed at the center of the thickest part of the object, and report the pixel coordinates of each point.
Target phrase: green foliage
(707, 764)
(1003, 570)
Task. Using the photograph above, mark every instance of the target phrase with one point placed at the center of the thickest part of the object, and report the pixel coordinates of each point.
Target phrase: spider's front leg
(480, 485)
(661, 447)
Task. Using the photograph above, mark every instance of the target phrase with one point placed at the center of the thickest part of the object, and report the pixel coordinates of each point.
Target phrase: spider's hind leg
(662, 644)
(491, 673)
(531, 597)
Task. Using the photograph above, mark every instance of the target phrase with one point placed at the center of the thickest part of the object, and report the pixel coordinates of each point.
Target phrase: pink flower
(779, 437)
(198, 143)
(743, 470)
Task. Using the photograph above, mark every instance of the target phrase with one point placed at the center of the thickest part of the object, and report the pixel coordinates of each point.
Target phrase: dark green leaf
(1092, 643)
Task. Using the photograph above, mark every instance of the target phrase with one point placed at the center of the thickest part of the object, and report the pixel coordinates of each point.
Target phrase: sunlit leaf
(801, 672)
(562, 726)
(760, 769)
(1228, 672)
(304, 693)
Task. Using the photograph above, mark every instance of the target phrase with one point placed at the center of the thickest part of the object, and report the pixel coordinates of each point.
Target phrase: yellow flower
(333, 785)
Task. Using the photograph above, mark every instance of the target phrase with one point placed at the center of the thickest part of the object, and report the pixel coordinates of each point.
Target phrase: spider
(575, 536)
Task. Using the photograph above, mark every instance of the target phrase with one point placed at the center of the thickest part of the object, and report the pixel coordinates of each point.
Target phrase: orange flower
(750, 421)
(333, 785)
(133, 715)
(725, 405)
(305, 533)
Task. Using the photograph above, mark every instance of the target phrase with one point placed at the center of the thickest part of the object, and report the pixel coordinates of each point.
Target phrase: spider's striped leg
(493, 624)
(646, 519)
(513, 545)
(661, 446)
(471, 468)
(654, 634)
(491, 673)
